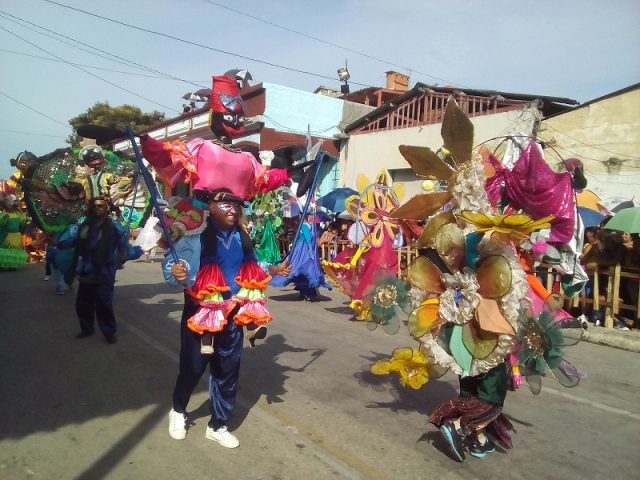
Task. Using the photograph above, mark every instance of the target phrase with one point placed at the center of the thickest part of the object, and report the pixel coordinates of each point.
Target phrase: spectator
(605, 252)
(630, 263)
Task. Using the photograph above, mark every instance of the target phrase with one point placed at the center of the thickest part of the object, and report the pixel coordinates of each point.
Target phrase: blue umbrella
(334, 200)
(589, 217)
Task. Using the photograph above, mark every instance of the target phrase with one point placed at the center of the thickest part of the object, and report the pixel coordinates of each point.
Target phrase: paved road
(309, 409)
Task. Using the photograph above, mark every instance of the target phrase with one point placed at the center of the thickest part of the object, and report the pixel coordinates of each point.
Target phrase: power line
(31, 133)
(592, 146)
(155, 77)
(33, 109)
(88, 72)
(189, 42)
(327, 42)
(120, 59)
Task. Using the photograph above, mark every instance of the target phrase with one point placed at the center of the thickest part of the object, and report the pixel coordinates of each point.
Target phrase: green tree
(104, 114)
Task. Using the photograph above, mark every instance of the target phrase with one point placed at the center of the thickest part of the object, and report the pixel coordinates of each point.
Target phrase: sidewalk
(625, 340)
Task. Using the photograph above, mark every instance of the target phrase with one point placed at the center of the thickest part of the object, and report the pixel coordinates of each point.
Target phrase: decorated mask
(226, 118)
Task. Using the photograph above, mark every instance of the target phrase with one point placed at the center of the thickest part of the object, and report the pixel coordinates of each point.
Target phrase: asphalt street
(308, 406)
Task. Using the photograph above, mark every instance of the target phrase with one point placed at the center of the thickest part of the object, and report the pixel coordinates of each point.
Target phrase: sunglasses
(228, 206)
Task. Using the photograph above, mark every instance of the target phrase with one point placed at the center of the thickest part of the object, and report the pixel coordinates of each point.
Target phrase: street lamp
(344, 76)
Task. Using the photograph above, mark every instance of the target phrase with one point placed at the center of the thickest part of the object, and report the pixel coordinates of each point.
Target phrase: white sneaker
(177, 425)
(46, 278)
(223, 436)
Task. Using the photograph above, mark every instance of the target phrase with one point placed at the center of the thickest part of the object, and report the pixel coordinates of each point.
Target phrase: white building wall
(369, 153)
(605, 136)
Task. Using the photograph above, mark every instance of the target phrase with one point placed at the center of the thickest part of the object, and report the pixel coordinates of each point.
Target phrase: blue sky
(581, 49)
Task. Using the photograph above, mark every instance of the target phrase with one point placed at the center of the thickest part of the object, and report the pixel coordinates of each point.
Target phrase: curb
(625, 340)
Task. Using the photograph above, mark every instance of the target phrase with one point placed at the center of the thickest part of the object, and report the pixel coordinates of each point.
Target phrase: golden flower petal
(421, 206)
(424, 319)
(352, 204)
(449, 243)
(477, 218)
(381, 368)
(457, 132)
(425, 163)
(494, 276)
(425, 275)
(402, 353)
(479, 343)
(399, 189)
(427, 236)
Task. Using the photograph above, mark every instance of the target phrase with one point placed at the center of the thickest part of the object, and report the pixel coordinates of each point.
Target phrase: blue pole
(153, 192)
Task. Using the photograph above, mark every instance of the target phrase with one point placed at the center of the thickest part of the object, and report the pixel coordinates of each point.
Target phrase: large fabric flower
(517, 226)
(385, 300)
(411, 364)
(541, 338)
(372, 207)
(469, 317)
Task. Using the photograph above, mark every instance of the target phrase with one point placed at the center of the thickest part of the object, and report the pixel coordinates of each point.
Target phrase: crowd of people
(602, 250)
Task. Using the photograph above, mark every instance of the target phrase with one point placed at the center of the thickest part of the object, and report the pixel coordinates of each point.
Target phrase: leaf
(457, 132)
(425, 163)
(479, 343)
(432, 227)
(425, 275)
(421, 206)
(494, 276)
(424, 318)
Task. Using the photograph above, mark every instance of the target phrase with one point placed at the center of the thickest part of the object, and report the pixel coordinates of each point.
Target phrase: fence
(608, 297)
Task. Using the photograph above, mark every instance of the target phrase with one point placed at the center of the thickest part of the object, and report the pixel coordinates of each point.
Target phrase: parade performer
(473, 308)
(306, 272)
(224, 287)
(12, 221)
(100, 248)
(373, 233)
(57, 186)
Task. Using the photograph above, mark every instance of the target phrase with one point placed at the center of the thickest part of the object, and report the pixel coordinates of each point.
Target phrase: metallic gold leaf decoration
(424, 318)
(425, 163)
(479, 343)
(457, 132)
(449, 244)
(428, 235)
(425, 275)
(494, 276)
(421, 206)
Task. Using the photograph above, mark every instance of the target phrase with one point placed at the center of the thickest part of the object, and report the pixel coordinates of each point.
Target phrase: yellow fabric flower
(373, 205)
(411, 364)
(517, 226)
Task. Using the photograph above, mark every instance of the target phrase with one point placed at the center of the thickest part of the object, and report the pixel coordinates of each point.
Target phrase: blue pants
(224, 367)
(96, 300)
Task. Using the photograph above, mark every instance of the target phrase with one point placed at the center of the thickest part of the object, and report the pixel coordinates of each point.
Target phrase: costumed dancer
(12, 221)
(357, 270)
(474, 309)
(100, 248)
(224, 287)
(306, 273)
